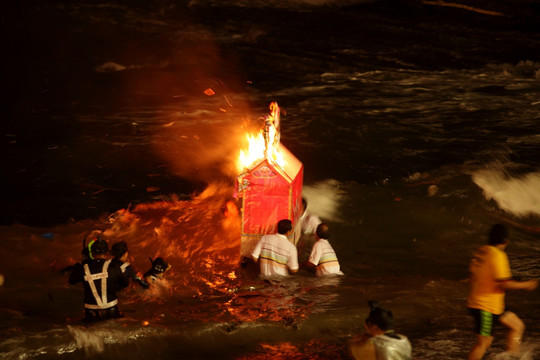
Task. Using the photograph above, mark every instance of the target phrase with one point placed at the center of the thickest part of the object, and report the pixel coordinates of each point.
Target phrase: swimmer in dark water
(101, 280)
(120, 252)
(157, 271)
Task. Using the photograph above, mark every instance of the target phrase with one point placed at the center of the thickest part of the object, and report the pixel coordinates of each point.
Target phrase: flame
(265, 143)
(255, 150)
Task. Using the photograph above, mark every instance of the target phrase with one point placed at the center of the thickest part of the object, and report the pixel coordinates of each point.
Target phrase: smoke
(199, 92)
(517, 195)
(204, 145)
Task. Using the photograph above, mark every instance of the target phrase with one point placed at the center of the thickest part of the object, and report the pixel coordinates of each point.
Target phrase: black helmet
(98, 246)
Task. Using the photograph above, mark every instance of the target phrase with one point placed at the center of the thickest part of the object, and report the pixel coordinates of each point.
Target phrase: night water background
(417, 124)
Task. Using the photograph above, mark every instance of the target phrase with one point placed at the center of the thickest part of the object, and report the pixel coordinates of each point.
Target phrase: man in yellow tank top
(490, 278)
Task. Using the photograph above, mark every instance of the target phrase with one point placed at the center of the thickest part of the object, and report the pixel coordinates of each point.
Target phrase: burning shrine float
(270, 183)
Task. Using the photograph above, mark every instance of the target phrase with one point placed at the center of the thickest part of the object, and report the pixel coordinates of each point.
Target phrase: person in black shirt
(120, 252)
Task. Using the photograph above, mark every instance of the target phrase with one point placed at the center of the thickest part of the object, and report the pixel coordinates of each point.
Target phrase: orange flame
(265, 144)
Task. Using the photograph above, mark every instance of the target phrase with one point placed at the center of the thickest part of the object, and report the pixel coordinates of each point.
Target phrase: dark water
(417, 124)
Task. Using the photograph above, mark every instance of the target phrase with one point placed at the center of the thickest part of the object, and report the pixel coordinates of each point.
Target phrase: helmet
(98, 246)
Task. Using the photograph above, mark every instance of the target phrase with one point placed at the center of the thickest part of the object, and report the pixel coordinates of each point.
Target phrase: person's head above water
(98, 248)
(380, 317)
(119, 249)
(284, 226)
(498, 235)
(323, 231)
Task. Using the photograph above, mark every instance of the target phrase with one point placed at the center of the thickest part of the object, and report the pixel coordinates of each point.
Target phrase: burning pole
(269, 184)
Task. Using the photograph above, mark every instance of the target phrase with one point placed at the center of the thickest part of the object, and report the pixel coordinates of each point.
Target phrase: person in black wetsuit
(101, 280)
(120, 252)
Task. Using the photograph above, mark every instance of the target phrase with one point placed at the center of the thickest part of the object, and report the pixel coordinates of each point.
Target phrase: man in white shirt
(304, 232)
(323, 258)
(275, 253)
(306, 224)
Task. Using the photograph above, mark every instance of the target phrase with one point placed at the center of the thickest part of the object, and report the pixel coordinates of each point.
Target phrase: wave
(284, 4)
(519, 195)
(462, 6)
(324, 198)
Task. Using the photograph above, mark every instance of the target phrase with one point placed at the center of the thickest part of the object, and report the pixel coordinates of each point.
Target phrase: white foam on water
(324, 198)
(517, 195)
(93, 340)
(528, 352)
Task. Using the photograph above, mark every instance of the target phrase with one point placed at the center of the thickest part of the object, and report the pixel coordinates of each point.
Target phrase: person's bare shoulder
(361, 347)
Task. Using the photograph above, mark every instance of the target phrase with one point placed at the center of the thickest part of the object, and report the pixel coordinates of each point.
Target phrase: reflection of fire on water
(200, 237)
(270, 183)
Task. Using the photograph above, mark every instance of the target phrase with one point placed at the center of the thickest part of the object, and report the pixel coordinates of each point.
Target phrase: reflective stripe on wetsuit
(103, 275)
(124, 266)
